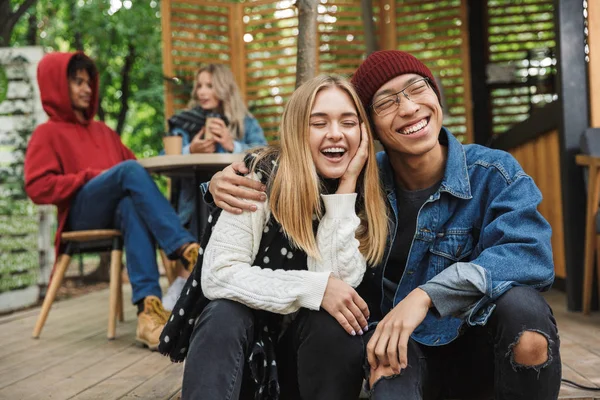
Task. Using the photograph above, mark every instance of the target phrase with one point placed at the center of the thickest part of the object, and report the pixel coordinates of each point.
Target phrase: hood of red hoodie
(54, 88)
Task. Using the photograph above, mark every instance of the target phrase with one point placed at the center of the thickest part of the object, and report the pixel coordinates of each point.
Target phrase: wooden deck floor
(73, 359)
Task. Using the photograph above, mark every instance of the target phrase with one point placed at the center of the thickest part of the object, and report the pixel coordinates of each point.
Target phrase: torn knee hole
(530, 349)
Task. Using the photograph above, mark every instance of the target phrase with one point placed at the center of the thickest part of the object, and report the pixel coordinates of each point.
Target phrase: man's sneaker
(151, 322)
(190, 256)
(172, 295)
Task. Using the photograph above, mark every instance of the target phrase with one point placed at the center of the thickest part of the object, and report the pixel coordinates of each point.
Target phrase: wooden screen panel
(436, 32)
(341, 38)
(514, 30)
(270, 32)
(540, 160)
(195, 32)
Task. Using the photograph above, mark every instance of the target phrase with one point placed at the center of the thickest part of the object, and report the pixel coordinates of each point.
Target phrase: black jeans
(317, 359)
(480, 364)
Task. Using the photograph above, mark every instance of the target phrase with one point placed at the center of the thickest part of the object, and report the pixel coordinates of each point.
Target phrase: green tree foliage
(124, 38)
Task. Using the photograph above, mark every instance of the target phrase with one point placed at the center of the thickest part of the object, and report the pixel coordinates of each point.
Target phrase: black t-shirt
(409, 203)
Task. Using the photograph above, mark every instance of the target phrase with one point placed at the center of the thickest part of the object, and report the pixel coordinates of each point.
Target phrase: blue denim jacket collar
(457, 185)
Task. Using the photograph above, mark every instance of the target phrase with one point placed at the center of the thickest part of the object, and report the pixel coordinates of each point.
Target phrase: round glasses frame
(376, 106)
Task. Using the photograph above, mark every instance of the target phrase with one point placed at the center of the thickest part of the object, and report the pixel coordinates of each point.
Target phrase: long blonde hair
(295, 188)
(231, 103)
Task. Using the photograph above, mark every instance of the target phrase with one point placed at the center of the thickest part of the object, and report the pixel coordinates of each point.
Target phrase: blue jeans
(126, 198)
(480, 364)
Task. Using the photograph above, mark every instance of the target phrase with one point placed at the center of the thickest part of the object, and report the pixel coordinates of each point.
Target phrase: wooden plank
(276, 30)
(264, 21)
(52, 376)
(25, 348)
(523, 4)
(165, 11)
(193, 31)
(569, 392)
(196, 40)
(436, 20)
(419, 10)
(387, 25)
(272, 50)
(163, 385)
(203, 12)
(139, 368)
(593, 26)
(201, 50)
(78, 373)
(236, 29)
(466, 69)
(517, 21)
(213, 26)
(55, 326)
(414, 32)
(255, 77)
(581, 360)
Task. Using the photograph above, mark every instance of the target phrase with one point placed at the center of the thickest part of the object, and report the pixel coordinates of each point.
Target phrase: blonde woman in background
(216, 121)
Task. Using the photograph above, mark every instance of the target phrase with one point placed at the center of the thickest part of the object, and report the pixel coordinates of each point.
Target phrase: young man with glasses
(456, 301)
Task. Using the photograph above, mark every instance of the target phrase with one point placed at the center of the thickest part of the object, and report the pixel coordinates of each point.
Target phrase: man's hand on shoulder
(229, 188)
(388, 345)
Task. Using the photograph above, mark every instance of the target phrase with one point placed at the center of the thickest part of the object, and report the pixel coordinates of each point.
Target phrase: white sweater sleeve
(336, 240)
(228, 271)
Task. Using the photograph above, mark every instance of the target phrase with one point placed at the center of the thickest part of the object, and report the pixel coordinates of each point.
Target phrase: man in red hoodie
(81, 166)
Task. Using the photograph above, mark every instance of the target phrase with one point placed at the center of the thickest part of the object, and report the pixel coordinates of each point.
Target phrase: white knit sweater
(228, 271)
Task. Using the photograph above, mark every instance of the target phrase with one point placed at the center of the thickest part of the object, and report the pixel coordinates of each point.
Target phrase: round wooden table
(200, 167)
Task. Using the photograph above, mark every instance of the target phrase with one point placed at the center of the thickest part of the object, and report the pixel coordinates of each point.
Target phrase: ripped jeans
(480, 363)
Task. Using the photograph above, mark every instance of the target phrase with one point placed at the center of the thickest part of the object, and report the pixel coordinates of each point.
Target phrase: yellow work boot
(151, 322)
(190, 256)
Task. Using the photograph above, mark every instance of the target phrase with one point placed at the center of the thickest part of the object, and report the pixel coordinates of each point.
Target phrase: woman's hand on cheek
(356, 165)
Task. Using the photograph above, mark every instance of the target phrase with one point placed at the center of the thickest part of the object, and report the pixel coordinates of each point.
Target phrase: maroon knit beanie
(382, 66)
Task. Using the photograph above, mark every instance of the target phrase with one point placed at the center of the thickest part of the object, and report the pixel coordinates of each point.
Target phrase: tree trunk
(306, 61)
(125, 87)
(8, 18)
(76, 40)
(369, 25)
(32, 29)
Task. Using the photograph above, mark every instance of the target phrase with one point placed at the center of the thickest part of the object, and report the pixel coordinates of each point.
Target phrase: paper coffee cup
(172, 144)
(209, 122)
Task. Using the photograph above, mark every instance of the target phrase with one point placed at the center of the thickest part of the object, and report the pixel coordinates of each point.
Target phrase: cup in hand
(172, 144)
(210, 120)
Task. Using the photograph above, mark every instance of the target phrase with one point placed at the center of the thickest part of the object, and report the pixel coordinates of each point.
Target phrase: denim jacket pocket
(450, 247)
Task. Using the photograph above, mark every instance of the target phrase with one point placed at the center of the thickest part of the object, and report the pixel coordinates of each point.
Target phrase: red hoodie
(63, 153)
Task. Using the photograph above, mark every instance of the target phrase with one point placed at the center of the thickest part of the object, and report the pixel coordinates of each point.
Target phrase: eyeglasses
(413, 92)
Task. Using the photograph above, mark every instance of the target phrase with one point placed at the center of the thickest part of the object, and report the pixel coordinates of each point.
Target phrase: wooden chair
(88, 242)
(590, 146)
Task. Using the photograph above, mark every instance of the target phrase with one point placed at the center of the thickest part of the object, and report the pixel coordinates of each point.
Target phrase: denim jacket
(253, 137)
(476, 237)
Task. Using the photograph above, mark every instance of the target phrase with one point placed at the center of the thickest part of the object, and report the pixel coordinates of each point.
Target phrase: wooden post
(466, 66)
(593, 19)
(165, 12)
(387, 25)
(238, 46)
(572, 86)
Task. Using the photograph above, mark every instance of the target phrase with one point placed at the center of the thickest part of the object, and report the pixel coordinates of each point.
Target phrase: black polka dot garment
(275, 252)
